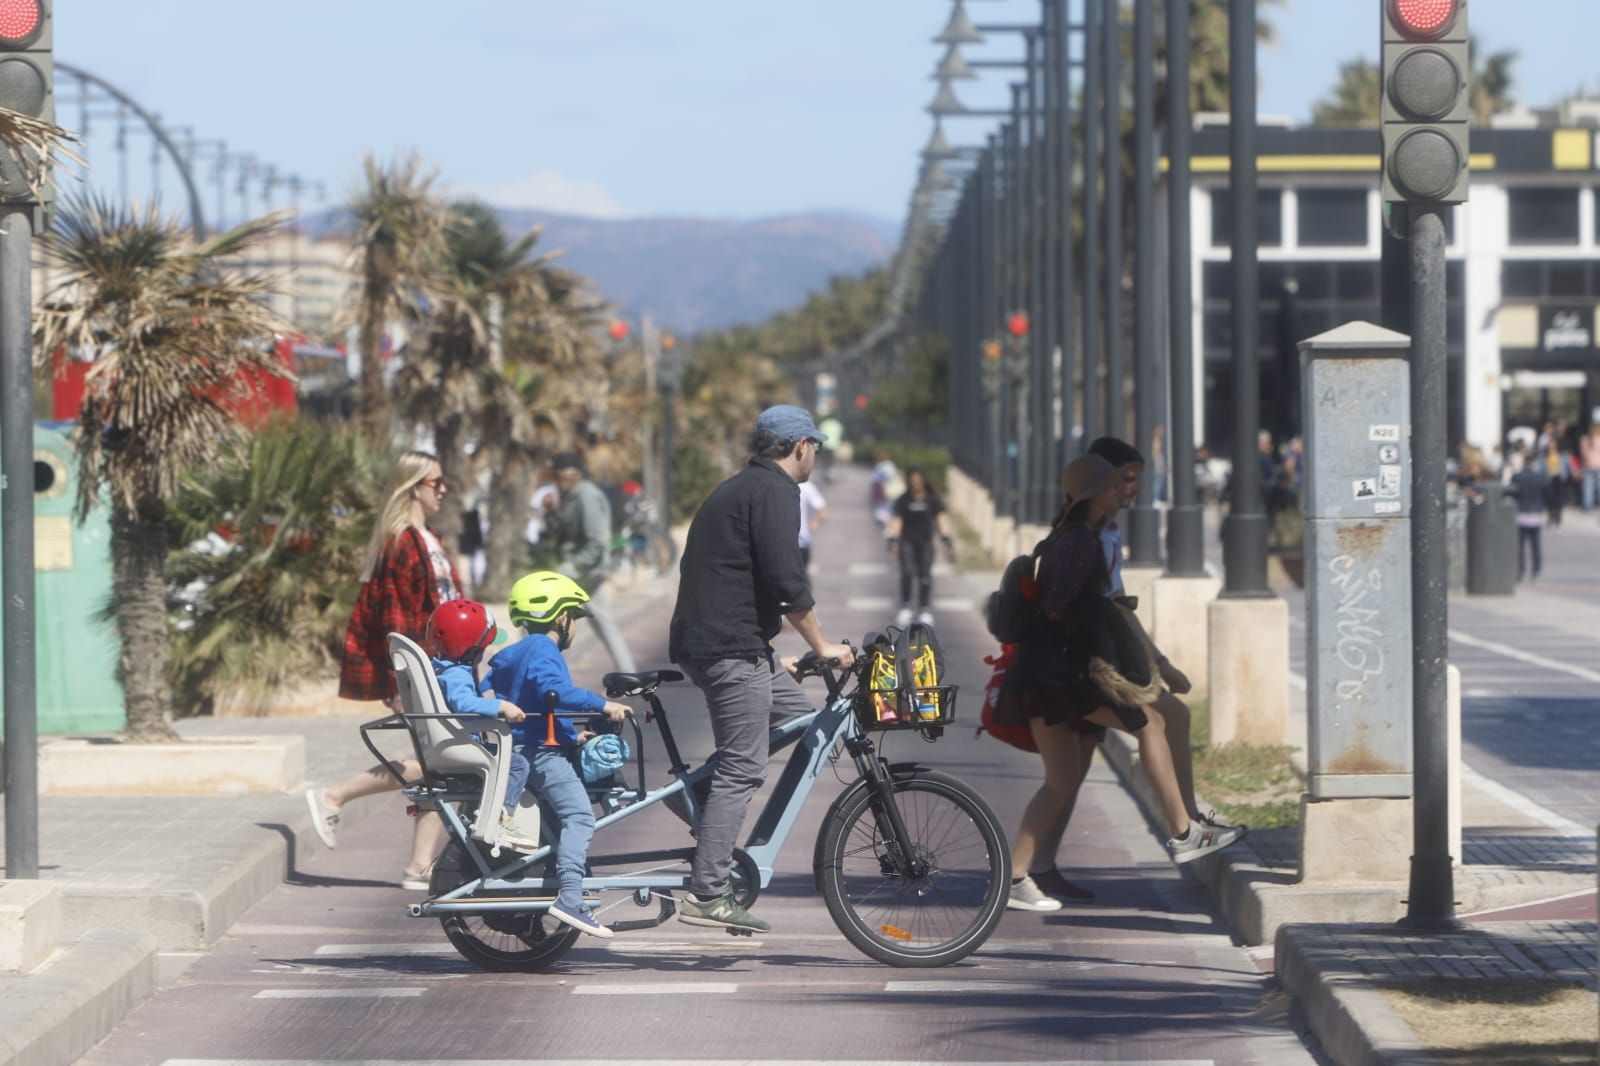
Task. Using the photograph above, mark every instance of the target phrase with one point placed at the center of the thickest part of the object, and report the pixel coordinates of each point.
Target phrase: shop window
(1333, 217)
(1569, 278)
(1543, 216)
(1269, 218)
(1356, 281)
(1521, 281)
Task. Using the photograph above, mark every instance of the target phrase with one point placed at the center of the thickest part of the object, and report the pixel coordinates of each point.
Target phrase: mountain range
(695, 274)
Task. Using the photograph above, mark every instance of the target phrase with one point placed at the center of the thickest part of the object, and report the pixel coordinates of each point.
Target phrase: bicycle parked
(911, 862)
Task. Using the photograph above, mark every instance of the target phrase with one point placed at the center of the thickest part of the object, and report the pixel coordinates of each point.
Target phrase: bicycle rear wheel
(945, 907)
(509, 941)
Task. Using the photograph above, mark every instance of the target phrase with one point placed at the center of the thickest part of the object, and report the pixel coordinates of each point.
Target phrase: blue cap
(790, 422)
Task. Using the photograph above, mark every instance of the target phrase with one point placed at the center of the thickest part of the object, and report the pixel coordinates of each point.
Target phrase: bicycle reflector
(1426, 101)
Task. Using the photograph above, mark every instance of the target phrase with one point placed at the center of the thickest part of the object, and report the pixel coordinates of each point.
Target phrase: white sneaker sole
(1043, 906)
(1199, 853)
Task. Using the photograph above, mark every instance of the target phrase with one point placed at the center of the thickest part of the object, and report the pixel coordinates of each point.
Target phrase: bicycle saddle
(621, 684)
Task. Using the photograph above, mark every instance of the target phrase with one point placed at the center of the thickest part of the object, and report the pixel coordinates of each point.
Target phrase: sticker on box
(1389, 453)
(1386, 507)
(1389, 481)
(1383, 433)
(1365, 488)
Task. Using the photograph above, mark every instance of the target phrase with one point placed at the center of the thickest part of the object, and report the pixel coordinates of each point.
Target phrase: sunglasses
(437, 484)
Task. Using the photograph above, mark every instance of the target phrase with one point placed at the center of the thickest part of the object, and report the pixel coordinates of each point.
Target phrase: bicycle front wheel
(947, 904)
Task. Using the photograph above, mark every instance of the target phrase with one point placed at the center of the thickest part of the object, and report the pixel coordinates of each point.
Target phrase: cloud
(551, 191)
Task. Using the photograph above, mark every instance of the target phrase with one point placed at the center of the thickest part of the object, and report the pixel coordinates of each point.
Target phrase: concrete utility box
(1358, 568)
(78, 689)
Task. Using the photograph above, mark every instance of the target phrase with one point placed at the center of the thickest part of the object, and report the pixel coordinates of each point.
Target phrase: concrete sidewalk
(148, 882)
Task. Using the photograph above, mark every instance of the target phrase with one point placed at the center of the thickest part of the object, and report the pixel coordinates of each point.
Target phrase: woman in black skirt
(1087, 663)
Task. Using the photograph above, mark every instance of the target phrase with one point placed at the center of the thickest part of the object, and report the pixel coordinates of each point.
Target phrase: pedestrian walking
(813, 514)
(406, 575)
(1086, 663)
(887, 485)
(1560, 470)
(917, 517)
(1589, 455)
(1530, 484)
(740, 579)
(580, 530)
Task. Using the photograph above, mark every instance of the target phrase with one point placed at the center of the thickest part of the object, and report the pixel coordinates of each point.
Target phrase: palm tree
(177, 335)
(399, 242)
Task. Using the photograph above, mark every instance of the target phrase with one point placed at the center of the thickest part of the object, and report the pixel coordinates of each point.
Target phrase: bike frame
(814, 736)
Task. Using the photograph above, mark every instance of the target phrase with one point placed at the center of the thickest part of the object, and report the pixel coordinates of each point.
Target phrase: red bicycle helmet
(459, 630)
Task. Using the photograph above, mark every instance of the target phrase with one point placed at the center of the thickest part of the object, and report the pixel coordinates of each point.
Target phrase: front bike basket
(904, 706)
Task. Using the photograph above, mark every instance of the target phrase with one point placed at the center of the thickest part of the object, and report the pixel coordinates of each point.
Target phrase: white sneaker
(511, 839)
(925, 618)
(1202, 839)
(324, 819)
(903, 619)
(1025, 896)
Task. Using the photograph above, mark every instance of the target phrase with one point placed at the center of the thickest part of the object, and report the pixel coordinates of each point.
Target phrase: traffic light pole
(16, 541)
(1432, 897)
(1185, 522)
(1144, 533)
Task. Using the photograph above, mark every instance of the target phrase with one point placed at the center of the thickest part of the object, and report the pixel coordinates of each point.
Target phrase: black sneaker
(723, 912)
(1052, 884)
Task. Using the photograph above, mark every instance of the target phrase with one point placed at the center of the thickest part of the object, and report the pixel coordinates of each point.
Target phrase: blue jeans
(516, 780)
(1591, 489)
(557, 783)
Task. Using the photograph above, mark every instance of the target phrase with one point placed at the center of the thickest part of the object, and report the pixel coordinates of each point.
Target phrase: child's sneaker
(1025, 896)
(1203, 838)
(324, 819)
(510, 839)
(580, 918)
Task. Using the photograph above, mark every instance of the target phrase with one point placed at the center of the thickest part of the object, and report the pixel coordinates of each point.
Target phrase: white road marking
(869, 603)
(1523, 805)
(711, 988)
(339, 993)
(1017, 947)
(385, 949)
(970, 986)
(954, 605)
(1524, 656)
(1531, 903)
(868, 569)
(645, 1062)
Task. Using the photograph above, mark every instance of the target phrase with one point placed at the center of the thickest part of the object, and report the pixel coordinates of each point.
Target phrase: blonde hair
(410, 470)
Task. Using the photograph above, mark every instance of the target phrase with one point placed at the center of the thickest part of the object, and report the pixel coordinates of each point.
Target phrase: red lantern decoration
(618, 330)
(1017, 324)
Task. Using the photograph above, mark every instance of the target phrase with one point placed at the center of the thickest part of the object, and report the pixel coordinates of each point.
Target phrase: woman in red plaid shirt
(406, 575)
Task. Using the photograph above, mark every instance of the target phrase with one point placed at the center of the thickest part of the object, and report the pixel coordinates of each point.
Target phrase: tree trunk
(139, 553)
(372, 403)
(509, 491)
(463, 486)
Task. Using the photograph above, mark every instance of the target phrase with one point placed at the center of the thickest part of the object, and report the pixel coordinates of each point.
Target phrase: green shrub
(695, 472)
(271, 543)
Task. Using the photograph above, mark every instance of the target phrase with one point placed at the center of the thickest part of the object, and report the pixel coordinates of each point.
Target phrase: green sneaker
(723, 912)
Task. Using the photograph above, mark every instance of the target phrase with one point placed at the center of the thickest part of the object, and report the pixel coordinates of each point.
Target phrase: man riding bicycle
(741, 576)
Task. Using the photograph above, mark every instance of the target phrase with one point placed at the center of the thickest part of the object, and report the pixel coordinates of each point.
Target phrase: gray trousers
(745, 699)
(605, 627)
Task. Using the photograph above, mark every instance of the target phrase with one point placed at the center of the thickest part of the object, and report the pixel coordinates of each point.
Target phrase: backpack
(879, 698)
(905, 679)
(1019, 736)
(1012, 610)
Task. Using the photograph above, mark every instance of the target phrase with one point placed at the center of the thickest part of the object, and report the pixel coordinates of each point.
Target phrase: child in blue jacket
(458, 632)
(547, 605)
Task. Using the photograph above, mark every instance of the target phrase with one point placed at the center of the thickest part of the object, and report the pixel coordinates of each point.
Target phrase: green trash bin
(77, 653)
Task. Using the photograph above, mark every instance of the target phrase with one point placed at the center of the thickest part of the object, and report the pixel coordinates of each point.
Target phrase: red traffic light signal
(618, 330)
(1424, 20)
(20, 22)
(1017, 325)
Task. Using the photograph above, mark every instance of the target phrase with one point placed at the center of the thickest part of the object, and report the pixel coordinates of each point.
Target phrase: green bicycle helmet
(541, 598)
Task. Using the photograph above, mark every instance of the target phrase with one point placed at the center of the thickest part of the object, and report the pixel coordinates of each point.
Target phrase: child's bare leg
(1176, 714)
(1059, 748)
(1157, 760)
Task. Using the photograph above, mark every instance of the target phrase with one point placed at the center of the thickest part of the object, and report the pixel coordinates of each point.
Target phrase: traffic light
(27, 81)
(1426, 101)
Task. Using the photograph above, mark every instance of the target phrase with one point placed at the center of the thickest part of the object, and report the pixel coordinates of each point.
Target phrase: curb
(61, 1010)
(1353, 1022)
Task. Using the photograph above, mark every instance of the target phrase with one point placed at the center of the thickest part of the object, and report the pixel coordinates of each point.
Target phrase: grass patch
(1253, 785)
(1500, 1021)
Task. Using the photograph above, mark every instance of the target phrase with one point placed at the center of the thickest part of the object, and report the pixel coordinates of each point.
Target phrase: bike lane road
(328, 968)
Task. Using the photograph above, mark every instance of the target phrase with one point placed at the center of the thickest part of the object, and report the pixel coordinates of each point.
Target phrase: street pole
(1066, 284)
(1185, 532)
(16, 541)
(1036, 235)
(1092, 92)
(1115, 332)
(1244, 546)
(1144, 533)
(1017, 189)
(1432, 898)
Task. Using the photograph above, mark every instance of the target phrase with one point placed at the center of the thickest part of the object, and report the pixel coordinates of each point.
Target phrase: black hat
(1119, 453)
(567, 461)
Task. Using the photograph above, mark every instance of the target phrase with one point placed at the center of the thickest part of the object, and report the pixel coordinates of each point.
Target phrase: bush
(272, 539)
(695, 472)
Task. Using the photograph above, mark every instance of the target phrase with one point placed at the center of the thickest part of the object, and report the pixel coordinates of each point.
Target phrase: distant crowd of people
(1544, 471)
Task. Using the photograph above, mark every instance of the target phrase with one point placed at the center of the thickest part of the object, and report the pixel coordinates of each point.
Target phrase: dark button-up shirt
(741, 570)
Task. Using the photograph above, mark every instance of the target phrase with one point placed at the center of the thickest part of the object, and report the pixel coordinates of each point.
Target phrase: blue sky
(633, 107)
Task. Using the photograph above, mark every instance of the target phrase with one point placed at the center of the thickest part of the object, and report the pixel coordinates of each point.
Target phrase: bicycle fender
(896, 769)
